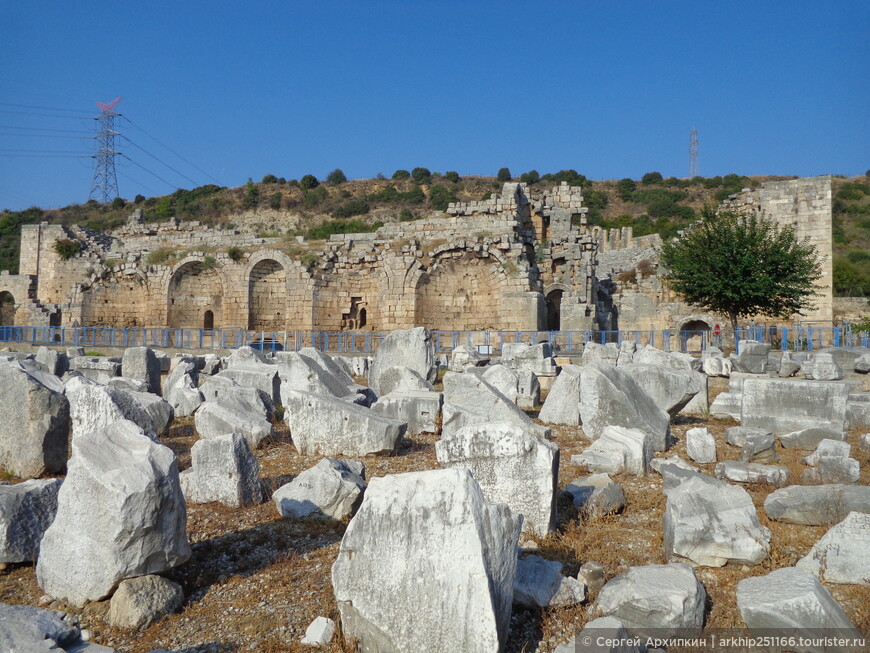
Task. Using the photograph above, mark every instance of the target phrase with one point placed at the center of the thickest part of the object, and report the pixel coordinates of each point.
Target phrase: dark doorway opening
(554, 310)
(208, 321)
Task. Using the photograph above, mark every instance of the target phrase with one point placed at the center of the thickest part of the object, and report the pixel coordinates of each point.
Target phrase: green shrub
(853, 191)
(504, 175)
(66, 248)
(385, 195)
(330, 227)
(625, 188)
(413, 196)
(252, 195)
(440, 197)
(407, 215)
(651, 178)
(530, 177)
(452, 176)
(159, 256)
(315, 196)
(308, 182)
(269, 179)
(138, 199)
(275, 201)
(209, 262)
(571, 176)
(336, 177)
(858, 255)
(421, 175)
(400, 174)
(351, 208)
(119, 203)
(235, 253)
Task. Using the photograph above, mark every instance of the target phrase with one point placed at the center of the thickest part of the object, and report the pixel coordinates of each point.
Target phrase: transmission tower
(693, 154)
(105, 184)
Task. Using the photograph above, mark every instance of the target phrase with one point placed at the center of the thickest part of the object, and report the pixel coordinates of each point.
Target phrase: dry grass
(255, 581)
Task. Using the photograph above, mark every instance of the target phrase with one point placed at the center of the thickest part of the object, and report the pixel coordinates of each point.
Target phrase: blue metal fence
(791, 338)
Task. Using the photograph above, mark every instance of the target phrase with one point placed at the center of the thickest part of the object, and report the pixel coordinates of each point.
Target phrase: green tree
(626, 187)
(504, 174)
(651, 178)
(269, 179)
(336, 177)
(530, 177)
(119, 203)
(275, 201)
(138, 199)
(421, 175)
(308, 182)
(252, 195)
(400, 174)
(742, 265)
(440, 197)
(452, 176)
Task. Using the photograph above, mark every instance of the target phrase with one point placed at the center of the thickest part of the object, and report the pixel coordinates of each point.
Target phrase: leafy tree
(138, 199)
(626, 187)
(119, 203)
(308, 182)
(452, 176)
(252, 195)
(269, 179)
(66, 248)
(504, 174)
(440, 197)
(351, 208)
(421, 175)
(531, 177)
(651, 178)
(275, 201)
(336, 177)
(742, 265)
(400, 174)
(571, 176)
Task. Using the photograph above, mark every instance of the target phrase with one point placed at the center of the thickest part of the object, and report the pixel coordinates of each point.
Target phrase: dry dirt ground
(255, 581)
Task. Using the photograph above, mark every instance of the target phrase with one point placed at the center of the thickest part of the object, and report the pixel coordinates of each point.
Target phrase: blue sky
(611, 89)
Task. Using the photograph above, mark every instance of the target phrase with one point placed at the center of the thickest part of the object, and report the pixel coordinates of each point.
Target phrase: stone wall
(851, 308)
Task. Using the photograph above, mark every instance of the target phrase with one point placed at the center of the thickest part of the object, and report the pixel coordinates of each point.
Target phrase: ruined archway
(460, 293)
(7, 309)
(267, 296)
(554, 310)
(694, 334)
(194, 289)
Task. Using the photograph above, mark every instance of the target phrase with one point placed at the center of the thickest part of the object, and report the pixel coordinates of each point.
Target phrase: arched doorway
(7, 309)
(554, 310)
(193, 290)
(267, 297)
(208, 321)
(694, 335)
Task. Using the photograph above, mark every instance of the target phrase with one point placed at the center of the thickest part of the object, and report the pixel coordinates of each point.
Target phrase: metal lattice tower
(105, 184)
(693, 154)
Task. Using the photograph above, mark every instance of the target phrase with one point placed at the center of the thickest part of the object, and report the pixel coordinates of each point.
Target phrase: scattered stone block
(710, 523)
(233, 413)
(327, 426)
(411, 348)
(26, 511)
(140, 602)
(141, 364)
(841, 555)
(829, 447)
(319, 632)
(743, 472)
(512, 465)
(864, 442)
(788, 601)
(125, 383)
(435, 525)
(603, 635)
(465, 356)
(671, 389)
(783, 406)
(701, 445)
(617, 450)
(120, 509)
(752, 357)
(29, 630)
(403, 379)
(93, 407)
(862, 364)
(34, 422)
(533, 358)
(758, 448)
(528, 390)
(592, 575)
(656, 600)
(817, 504)
(503, 379)
(717, 366)
(264, 378)
(833, 469)
(99, 369)
(419, 409)
(727, 405)
(55, 362)
(821, 366)
(809, 438)
(736, 436)
(181, 389)
(222, 469)
(332, 489)
(607, 354)
(596, 494)
(539, 583)
(562, 405)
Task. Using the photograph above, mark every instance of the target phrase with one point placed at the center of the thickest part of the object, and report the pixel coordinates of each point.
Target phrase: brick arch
(461, 290)
(191, 291)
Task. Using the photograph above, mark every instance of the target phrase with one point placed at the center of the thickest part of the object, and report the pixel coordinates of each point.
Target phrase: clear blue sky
(611, 89)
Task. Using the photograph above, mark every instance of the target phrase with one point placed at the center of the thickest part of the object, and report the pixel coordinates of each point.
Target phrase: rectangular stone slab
(783, 406)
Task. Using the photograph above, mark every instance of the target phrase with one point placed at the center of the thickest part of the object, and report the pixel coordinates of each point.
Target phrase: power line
(47, 115)
(154, 138)
(153, 174)
(127, 138)
(45, 129)
(47, 156)
(22, 151)
(139, 183)
(33, 106)
(44, 135)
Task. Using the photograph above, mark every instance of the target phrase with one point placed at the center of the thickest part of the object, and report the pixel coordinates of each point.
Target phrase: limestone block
(701, 445)
(31, 630)
(512, 466)
(607, 354)
(141, 364)
(435, 525)
(222, 469)
(55, 362)
(783, 406)
(528, 390)
(332, 427)
(419, 409)
(833, 469)
(332, 489)
(758, 448)
(821, 366)
(465, 356)
(617, 450)
(539, 583)
(504, 379)
(34, 422)
(841, 555)
(752, 357)
(319, 631)
(120, 510)
(743, 472)
(727, 404)
(96, 368)
(602, 635)
(233, 413)
(818, 504)
(403, 379)
(411, 348)
(26, 511)
(264, 378)
(562, 405)
(809, 438)
(139, 602)
(669, 388)
(181, 389)
(710, 523)
(596, 494)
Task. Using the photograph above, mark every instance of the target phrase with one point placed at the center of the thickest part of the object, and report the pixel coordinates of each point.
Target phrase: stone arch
(193, 289)
(267, 296)
(695, 323)
(7, 308)
(461, 291)
(694, 332)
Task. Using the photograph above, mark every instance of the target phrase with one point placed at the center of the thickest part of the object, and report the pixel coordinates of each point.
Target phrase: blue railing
(792, 338)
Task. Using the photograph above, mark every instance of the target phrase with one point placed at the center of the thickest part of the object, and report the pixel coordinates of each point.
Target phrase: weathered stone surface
(141, 364)
(158, 409)
(96, 368)
(95, 406)
(55, 362)
(539, 583)
(656, 464)
(789, 364)
(701, 445)
(670, 389)
(403, 379)
(562, 405)
(727, 404)
(617, 450)
(602, 635)
(789, 600)
(411, 348)
(610, 397)
(828, 447)
(862, 364)
(821, 366)
(435, 525)
(809, 438)
(244, 357)
(332, 489)
(592, 575)
(305, 374)
(593, 352)
(818, 504)
(26, 511)
(326, 426)
(34, 422)
(512, 465)
(841, 556)
(736, 435)
(26, 629)
(319, 632)
(717, 366)
(120, 514)
(864, 442)
(222, 469)
(742, 472)
(528, 390)
(596, 494)
(758, 448)
(503, 379)
(533, 358)
(710, 523)
(233, 413)
(752, 357)
(125, 383)
(784, 406)
(139, 602)
(833, 469)
(465, 356)
(221, 388)
(857, 411)
(419, 409)
(264, 378)
(469, 399)
(181, 389)
(657, 600)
